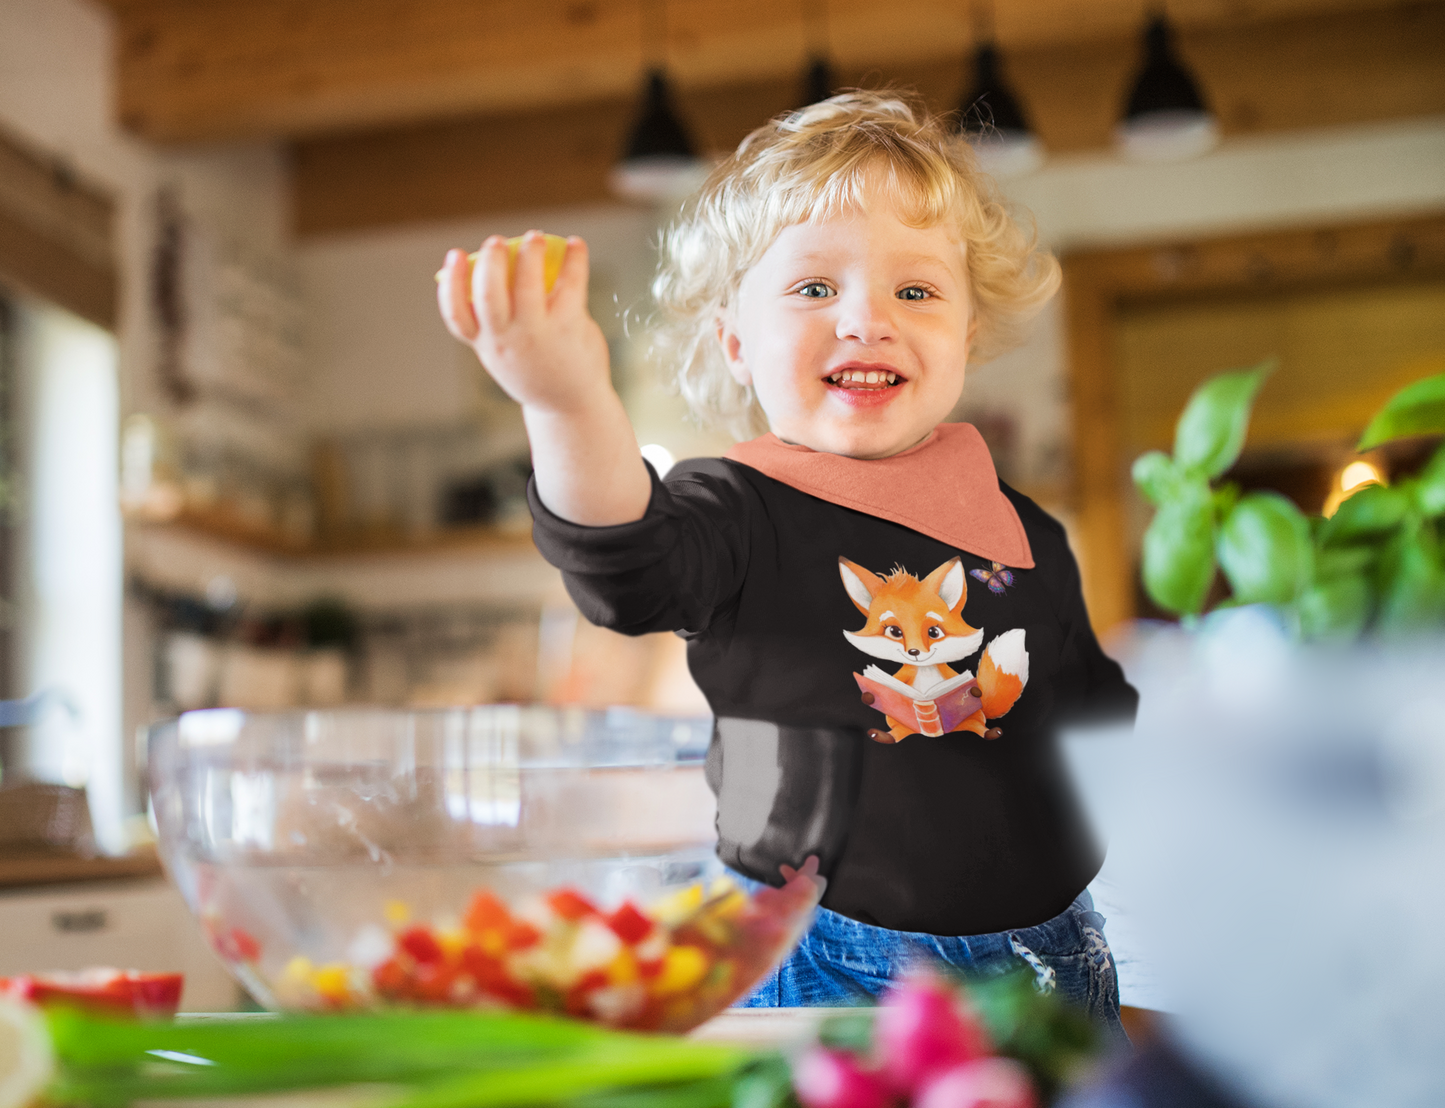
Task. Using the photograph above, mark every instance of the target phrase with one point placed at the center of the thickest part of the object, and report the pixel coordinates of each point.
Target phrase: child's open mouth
(865, 379)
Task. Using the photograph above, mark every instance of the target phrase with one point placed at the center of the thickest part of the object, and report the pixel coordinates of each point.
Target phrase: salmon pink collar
(945, 487)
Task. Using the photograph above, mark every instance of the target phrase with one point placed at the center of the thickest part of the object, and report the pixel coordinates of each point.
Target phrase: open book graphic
(942, 708)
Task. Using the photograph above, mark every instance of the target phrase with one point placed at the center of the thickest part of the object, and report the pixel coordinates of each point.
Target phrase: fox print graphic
(919, 624)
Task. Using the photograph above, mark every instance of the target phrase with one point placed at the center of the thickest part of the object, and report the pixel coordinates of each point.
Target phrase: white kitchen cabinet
(140, 925)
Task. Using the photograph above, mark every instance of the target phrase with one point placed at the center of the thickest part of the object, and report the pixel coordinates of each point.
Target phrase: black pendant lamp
(993, 121)
(1166, 118)
(659, 161)
(817, 80)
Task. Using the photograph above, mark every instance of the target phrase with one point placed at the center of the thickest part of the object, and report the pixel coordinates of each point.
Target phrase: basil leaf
(1343, 561)
(1414, 589)
(1430, 487)
(1335, 609)
(1210, 433)
(1156, 476)
(1372, 510)
(1264, 549)
(1179, 551)
(1417, 409)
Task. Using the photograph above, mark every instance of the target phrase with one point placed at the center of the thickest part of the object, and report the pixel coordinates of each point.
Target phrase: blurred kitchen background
(243, 464)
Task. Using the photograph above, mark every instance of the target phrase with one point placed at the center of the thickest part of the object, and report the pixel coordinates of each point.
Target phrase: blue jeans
(843, 962)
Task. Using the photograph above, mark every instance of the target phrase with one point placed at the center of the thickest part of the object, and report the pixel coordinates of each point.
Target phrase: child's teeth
(863, 377)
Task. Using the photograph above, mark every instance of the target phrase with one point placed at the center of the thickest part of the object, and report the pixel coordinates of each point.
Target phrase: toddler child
(834, 576)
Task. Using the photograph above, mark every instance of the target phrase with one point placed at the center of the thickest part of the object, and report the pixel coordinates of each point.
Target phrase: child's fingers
(571, 287)
(528, 291)
(454, 298)
(490, 295)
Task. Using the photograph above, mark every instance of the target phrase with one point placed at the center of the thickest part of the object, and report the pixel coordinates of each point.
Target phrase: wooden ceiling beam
(1348, 68)
(229, 69)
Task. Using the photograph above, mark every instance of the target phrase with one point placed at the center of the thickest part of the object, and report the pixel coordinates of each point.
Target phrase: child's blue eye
(816, 290)
(913, 293)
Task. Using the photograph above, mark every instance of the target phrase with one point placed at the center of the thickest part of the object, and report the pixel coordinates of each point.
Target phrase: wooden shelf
(56, 869)
(232, 529)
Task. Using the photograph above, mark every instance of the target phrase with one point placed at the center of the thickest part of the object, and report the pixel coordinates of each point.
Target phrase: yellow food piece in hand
(554, 251)
(682, 968)
(397, 913)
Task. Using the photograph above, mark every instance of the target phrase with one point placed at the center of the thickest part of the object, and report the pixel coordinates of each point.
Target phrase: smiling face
(853, 331)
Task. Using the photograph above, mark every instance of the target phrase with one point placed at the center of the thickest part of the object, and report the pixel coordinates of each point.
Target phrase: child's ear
(732, 350)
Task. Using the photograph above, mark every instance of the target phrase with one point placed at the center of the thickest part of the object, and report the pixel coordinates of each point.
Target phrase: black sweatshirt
(954, 835)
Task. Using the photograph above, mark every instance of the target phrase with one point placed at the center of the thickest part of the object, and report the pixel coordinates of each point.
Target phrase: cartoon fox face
(912, 622)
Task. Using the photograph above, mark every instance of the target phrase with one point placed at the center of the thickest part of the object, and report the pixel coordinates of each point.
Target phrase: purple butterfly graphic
(997, 579)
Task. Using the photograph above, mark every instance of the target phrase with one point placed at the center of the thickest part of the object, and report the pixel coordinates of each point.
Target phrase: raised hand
(549, 355)
(541, 347)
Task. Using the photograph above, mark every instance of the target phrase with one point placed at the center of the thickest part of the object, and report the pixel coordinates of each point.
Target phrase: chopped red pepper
(113, 991)
(244, 945)
(571, 905)
(421, 944)
(522, 935)
(486, 912)
(629, 924)
(391, 978)
(434, 982)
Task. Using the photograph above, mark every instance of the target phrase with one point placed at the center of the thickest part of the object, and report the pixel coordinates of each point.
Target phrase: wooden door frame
(1099, 283)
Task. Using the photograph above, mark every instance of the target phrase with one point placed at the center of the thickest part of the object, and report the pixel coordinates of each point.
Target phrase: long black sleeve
(674, 569)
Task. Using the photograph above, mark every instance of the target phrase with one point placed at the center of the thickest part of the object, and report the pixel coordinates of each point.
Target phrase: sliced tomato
(102, 989)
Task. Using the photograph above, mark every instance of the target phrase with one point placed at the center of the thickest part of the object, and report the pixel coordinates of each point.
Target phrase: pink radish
(981, 1083)
(920, 1031)
(831, 1079)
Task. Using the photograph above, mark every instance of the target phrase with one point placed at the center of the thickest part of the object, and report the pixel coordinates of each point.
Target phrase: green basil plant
(1376, 565)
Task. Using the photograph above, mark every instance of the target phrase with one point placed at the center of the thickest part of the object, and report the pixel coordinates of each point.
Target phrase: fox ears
(947, 581)
(950, 583)
(862, 585)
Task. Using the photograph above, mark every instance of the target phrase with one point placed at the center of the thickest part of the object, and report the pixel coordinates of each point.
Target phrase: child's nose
(865, 317)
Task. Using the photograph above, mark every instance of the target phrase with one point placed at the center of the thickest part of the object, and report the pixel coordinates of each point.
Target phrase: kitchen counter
(57, 869)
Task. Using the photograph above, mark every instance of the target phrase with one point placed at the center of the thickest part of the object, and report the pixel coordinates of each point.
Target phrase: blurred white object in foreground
(1280, 824)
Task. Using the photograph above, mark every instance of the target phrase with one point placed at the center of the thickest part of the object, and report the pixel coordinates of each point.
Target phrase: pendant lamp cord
(980, 20)
(653, 16)
(816, 31)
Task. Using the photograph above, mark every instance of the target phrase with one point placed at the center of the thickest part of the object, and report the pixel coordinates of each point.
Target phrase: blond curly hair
(812, 164)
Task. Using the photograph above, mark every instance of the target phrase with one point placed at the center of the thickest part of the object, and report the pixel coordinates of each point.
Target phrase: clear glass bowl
(552, 859)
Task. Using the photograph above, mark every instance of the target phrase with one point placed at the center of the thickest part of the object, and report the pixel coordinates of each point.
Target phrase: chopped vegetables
(665, 966)
(119, 992)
